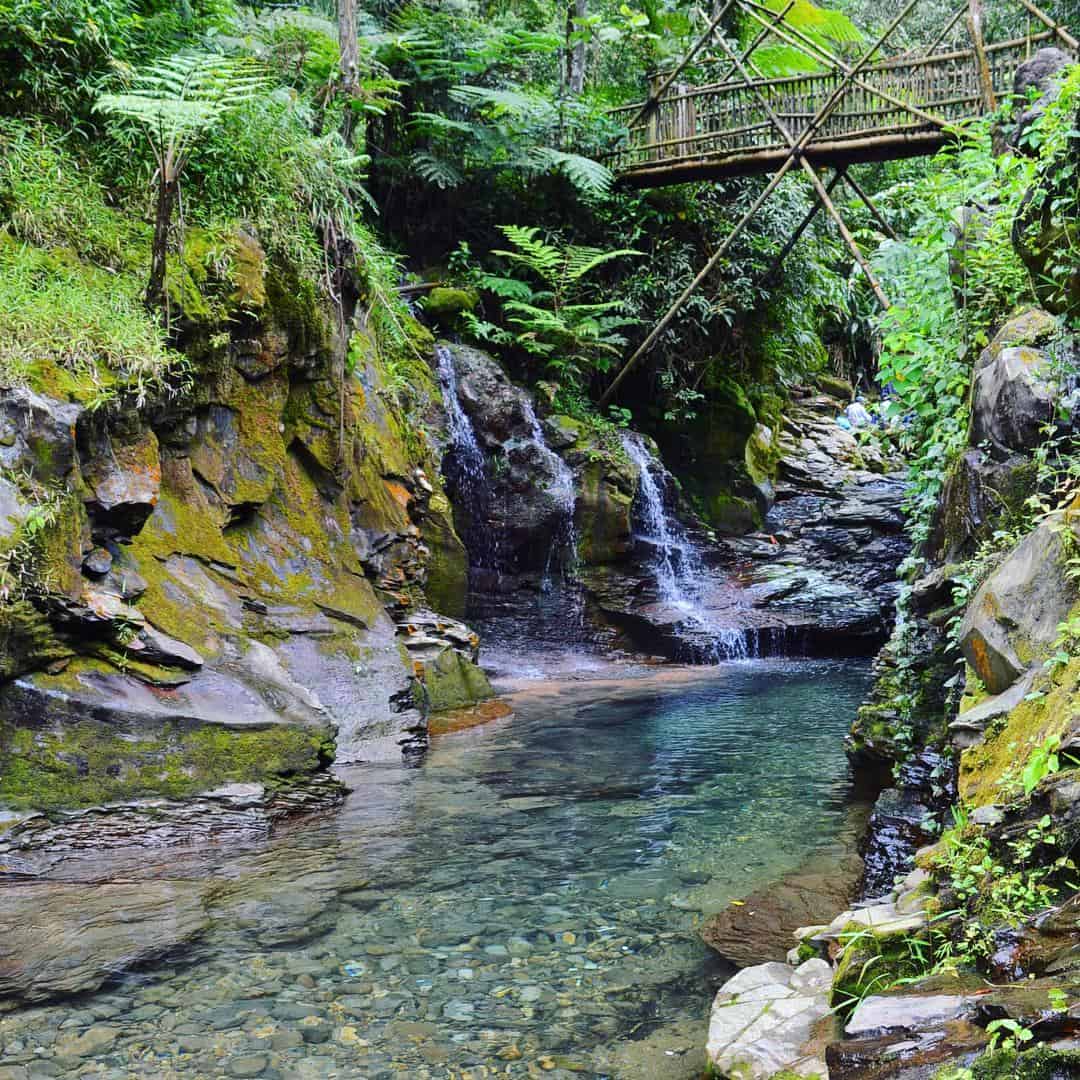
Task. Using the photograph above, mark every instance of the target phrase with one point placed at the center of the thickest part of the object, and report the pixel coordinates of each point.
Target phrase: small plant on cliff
(176, 101)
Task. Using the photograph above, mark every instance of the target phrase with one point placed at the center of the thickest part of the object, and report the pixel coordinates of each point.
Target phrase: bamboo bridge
(715, 115)
(722, 129)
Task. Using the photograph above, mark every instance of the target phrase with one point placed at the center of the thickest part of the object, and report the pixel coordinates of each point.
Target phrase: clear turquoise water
(533, 889)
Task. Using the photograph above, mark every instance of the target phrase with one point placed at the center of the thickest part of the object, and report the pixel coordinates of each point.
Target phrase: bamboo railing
(724, 127)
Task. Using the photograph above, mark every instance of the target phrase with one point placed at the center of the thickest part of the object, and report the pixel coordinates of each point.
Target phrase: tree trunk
(167, 193)
(575, 50)
(975, 29)
(350, 62)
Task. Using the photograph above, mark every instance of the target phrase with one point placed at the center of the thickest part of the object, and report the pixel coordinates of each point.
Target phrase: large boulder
(1014, 395)
(37, 436)
(530, 494)
(979, 492)
(1040, 79)
(1013, 619)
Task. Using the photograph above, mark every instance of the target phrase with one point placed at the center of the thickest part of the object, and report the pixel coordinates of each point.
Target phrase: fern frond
(435, 170)
(590, 177)
(181, 96)
(437, 124)
(582, 260)
(505, 288)
(500, 102)
(543, 259)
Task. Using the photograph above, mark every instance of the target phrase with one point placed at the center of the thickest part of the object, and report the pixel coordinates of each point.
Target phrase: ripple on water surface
(526, 900)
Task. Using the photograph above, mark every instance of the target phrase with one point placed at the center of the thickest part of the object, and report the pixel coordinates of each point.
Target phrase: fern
(437, 171)
(556, 322)
(500, 102)
(179, 98)
(588, 176)
(175, 101)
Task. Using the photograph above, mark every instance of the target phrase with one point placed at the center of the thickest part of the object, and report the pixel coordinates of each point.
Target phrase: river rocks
(759, 928)
(45, 953)
(1013, 618)
(769, 1018)
(911, 1012)
(824, 566)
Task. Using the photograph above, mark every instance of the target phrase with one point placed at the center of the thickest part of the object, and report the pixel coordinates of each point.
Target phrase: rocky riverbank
(958, 957)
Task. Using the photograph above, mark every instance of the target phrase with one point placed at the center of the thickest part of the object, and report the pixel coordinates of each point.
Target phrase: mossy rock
(762, 454)
(446, 305)
(448, 561)
(71, 761)
(991, 770)
(731, 514)
(1039, 1063)
(27, 640)
(835, 387)
(452, 682)
(872, 961)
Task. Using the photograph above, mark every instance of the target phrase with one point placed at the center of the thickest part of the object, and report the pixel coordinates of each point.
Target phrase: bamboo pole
(819, 187)
(986, 79)
(796, 236)
(886, 228)
(778, 176)
(809, 48)
(1047, 21)
(779, 17)
(654, 97)
(945, 33)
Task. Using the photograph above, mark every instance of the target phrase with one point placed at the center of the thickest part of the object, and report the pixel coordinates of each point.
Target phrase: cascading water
(464, 465)
(676, 562)
(559, 582)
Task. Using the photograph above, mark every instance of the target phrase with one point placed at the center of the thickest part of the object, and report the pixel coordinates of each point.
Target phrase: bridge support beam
(813, 177)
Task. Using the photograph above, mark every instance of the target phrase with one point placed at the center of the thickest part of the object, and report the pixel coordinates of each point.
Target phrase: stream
(525, 902)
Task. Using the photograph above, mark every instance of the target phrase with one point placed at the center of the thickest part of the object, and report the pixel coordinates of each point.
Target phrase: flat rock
(912, 1012)
(771, 1017)
(44, 953)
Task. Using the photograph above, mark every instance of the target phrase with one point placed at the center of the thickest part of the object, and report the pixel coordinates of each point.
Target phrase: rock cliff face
(209, 597)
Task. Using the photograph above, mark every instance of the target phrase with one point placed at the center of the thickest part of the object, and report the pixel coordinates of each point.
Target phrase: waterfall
(465, 466)
(676, 561)
(563, 550)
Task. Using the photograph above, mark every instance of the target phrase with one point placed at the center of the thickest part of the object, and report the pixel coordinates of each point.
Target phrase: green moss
(295, 305)
(762, 454)
(731, 514)
(835, 387)
(87, 762)
(452, 682)
(990, 770)
(446, 304)
(27, 640)
(1039, 1063)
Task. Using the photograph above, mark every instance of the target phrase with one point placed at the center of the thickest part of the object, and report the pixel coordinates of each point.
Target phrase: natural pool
(524, 903)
